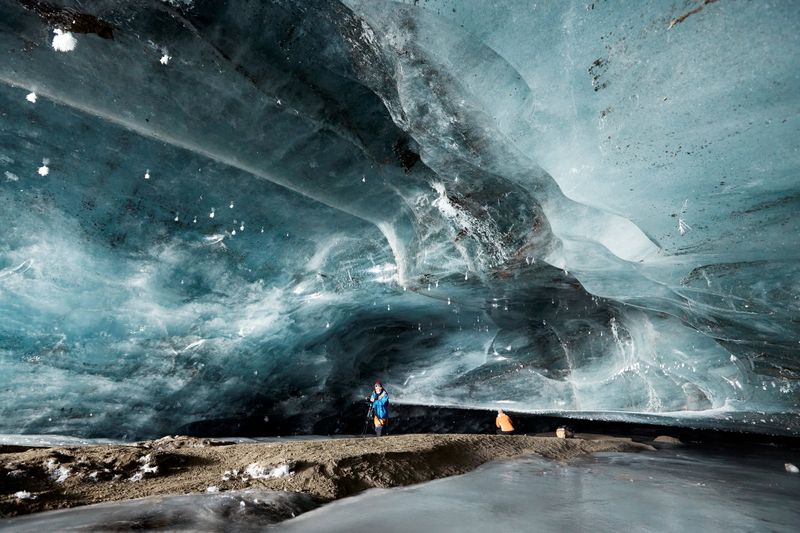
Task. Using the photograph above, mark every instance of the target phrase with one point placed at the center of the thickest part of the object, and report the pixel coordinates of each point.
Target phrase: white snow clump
(64, 41)
(58, 473)
(257, 471)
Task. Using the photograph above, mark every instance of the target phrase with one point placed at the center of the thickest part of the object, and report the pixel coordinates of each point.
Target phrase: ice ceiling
(211, 209)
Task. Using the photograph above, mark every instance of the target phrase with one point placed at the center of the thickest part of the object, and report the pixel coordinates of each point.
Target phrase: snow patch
(44, 170)
(146, 468)
(31, 97)
(58, 472)
(24, 495)
(256, 471)
(230, 474)
(64, 41)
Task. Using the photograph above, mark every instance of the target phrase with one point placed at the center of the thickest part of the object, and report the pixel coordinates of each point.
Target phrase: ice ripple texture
(212, 210)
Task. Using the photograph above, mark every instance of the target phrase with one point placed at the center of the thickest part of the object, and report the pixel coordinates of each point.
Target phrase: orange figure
(503, 423)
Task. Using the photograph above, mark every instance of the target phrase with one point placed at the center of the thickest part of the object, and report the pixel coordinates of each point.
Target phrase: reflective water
(671, 490)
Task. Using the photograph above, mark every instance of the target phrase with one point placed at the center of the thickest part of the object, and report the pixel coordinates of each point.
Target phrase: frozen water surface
(667, 491)
(248, 510)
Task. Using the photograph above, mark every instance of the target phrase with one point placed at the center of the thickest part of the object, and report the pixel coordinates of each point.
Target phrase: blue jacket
(380, 404)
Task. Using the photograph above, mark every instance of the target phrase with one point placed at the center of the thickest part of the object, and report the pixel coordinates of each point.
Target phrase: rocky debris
(180, 441)
(565, 432)
(666, 439)
(324, 469)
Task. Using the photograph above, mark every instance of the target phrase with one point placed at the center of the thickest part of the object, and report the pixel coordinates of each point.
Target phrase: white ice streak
(208, 240)
(10, 176)
(385, 273)
(19, 269)
(64, 41)
(195, 344)
(484, 232)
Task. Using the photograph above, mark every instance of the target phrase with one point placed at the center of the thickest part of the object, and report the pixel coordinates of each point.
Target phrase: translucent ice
(603, 196)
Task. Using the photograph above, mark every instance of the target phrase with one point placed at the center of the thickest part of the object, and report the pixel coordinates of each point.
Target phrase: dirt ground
(38, 479)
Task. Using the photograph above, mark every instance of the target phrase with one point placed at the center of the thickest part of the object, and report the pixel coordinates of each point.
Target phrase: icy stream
(665, 491)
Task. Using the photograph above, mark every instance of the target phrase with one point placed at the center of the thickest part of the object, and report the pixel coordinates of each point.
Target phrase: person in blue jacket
(380, 407)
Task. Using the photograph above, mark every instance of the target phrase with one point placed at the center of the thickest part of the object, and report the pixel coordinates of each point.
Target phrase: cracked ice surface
(561, 207)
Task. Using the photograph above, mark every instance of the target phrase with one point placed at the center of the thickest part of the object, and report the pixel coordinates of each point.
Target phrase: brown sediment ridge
(327, 469)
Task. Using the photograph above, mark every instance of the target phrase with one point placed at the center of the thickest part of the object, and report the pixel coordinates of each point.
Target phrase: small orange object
(504, 422)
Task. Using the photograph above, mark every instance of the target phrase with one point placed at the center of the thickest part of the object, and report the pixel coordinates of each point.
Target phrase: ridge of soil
(329, 469)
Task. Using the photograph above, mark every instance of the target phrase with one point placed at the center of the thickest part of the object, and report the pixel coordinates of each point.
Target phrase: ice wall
(217, 210)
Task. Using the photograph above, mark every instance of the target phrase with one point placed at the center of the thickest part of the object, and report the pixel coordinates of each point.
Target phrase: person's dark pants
(380, 426)
(501, 432)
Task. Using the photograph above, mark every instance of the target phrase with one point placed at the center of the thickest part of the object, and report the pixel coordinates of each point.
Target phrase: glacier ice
(220, 209)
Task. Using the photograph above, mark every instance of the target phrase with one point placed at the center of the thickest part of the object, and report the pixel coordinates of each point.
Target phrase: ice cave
(251, 209)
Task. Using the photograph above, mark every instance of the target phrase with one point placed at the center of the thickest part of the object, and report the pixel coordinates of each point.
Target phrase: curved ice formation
(557, 207)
